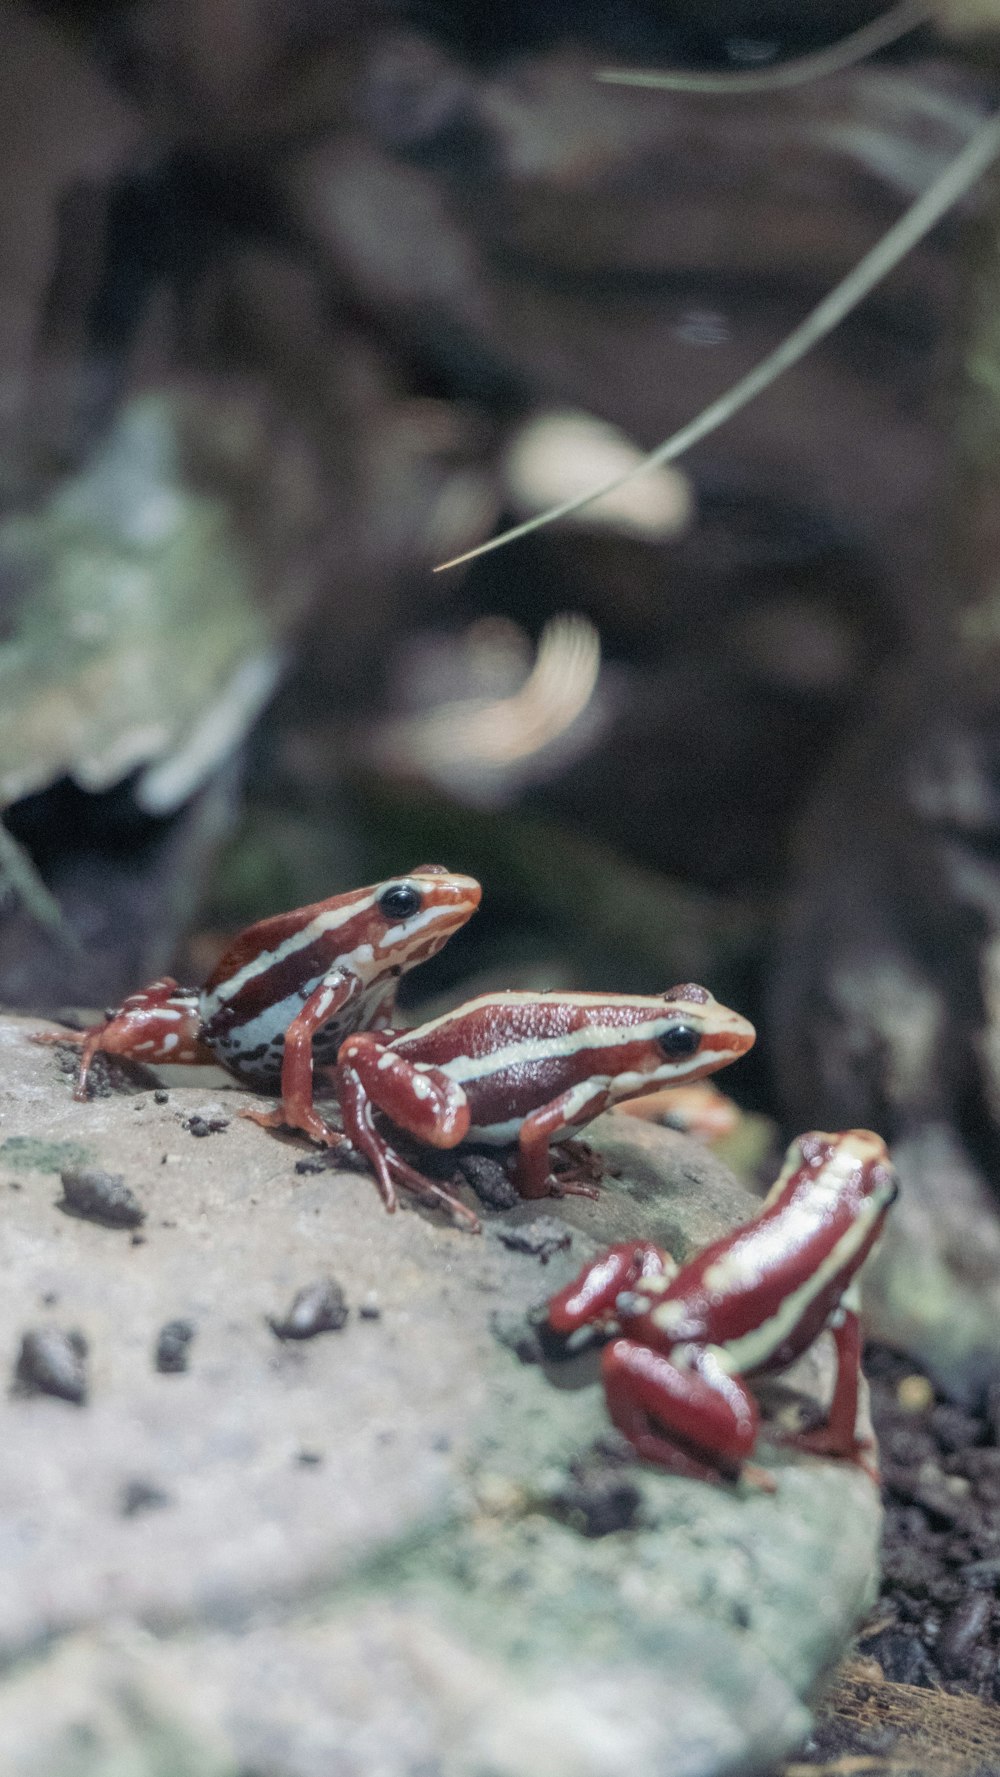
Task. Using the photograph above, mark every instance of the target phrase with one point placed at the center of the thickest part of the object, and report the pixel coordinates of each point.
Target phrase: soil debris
(99, 1196)
(173, 1347)
(540, 1238)
(318, 1308)
(51, 1361)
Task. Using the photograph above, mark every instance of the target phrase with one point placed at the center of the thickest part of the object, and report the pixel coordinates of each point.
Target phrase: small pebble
(309, 1458)
(541, 1238)
(173, 1347)
(596, 1502)
(161, 1097)
(197, 1125)
(99, 1196)
(52, 1362)
(914, 1393)
(489, 1179)
(369, 1309)
(141, 1496)
(318, 1308)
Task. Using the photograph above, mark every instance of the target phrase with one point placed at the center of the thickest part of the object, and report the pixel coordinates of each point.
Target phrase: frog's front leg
(532, 1174)
(590, 1299)
(160, 1023)
(423, 1101)
(295, 1108)
(837, 1436)
(694, 1420)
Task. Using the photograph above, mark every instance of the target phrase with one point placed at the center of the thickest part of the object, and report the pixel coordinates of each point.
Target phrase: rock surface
(399, 1549)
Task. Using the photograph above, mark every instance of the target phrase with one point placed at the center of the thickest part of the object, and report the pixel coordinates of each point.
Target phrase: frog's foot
(408, 1178)
(76, 1038)
(824, 1440)
(580, 1174)
(295, 1117)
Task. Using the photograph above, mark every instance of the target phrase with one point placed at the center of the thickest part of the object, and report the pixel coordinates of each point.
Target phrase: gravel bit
(196, 1125)
(52, 1362)
(318, 1308)
(173, 1347)
(100, 1197)
(541, 1238)
(489, 1179)
(141, 1496)
(596, 1501)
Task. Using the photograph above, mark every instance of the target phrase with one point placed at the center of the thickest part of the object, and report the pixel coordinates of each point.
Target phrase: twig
(895, 23)
(900, 239)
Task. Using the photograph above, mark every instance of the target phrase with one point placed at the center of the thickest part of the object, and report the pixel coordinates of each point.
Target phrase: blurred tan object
(558, 456)
(701, 1111)
(966, 18)
(482, 748)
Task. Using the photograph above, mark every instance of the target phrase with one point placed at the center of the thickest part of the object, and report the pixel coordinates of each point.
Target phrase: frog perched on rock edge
(524, 1067)
(682, 1340)
(288, 990)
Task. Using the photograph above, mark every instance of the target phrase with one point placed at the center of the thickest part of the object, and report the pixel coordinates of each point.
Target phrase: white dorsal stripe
(392, 940)
(329, 921)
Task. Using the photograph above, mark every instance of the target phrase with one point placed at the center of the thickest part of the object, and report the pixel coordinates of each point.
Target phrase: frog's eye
(400, 901)
(678, 1040)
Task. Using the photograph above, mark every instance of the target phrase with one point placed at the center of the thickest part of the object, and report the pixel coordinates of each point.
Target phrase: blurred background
(300, 299)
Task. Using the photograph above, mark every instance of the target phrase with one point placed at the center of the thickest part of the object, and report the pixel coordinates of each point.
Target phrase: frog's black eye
(678, 1040)
(400, 901)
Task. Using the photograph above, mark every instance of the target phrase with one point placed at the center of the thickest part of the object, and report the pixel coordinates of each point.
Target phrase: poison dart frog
(289, 990)
(524, 1067)
(683, 1340)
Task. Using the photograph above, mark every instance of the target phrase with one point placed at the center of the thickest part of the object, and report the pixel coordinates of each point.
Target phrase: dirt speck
(318, 1308)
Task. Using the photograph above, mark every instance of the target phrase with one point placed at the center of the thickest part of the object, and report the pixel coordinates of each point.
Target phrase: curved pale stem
(888, 28)
(958, 176)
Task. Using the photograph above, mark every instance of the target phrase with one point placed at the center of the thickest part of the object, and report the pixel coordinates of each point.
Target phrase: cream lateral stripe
(754, 1348)
(317, 928)
(535, 1049)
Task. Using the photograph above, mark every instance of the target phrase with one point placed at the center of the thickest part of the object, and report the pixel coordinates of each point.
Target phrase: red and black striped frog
(683, 1340)
(524, 1068)
(289, 989)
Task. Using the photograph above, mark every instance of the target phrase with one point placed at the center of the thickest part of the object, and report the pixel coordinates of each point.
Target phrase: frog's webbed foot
(436, 1195)
(824, 1440)
(579, 1174)
(300, 1117)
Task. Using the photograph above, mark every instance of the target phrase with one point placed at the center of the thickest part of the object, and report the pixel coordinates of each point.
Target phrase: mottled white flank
(420, 1087)
(170, 1041)
(758, 1345)
(168, 1012)
(385, 1060)
(495, 1135)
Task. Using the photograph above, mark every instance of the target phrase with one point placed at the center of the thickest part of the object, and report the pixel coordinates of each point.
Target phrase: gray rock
(475, 1579)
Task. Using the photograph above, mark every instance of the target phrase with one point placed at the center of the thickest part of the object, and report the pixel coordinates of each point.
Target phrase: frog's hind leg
(160, 1023)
